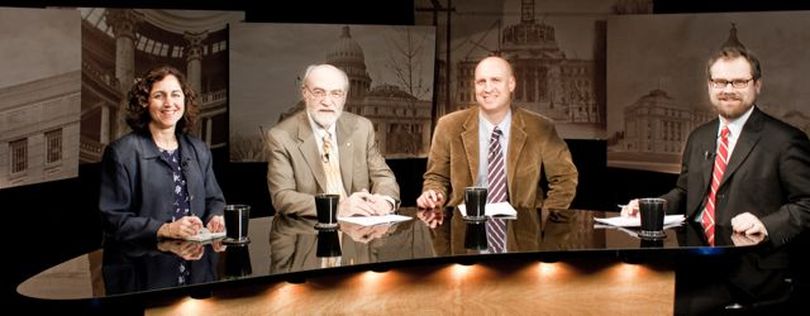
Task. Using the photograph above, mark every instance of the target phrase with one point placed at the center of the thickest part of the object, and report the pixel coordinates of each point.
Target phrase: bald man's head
(494, 84)
(497, 62)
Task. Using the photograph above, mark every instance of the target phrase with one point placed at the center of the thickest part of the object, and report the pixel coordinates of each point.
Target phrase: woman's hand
(182, 228)
(216, 224)
(188, 250)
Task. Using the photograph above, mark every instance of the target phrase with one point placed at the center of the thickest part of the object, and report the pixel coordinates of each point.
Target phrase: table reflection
(691, 234)
(296, 245)
(237, 262)
(475, 236)
(457, 236)
(133, 267)
(529, 231)
(283, 244)
(536, 230)
(760, 277)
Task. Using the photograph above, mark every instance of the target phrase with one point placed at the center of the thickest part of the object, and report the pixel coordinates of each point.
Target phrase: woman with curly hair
(157, 181)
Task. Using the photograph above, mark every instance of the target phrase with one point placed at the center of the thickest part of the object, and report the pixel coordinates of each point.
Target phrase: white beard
(325, 120)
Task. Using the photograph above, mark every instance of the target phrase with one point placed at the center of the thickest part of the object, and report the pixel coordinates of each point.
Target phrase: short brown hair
(730, 52)
(138, 117)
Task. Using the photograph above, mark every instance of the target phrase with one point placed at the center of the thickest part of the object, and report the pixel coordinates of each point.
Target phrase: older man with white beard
(324, 150)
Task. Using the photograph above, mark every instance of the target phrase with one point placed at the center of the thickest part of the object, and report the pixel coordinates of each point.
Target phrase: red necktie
(720, 162)
(497, 192)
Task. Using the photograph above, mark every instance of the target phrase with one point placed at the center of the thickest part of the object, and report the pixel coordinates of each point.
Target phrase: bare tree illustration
(406, 62)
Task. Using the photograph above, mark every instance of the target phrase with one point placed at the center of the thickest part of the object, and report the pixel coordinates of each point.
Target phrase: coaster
(474, 219)
(233, 241)
(652, 234)
(327, 227)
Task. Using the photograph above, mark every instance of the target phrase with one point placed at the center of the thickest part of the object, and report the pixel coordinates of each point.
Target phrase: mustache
(729, 96)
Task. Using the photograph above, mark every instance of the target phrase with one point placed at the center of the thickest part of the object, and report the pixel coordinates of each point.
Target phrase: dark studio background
(52, 222)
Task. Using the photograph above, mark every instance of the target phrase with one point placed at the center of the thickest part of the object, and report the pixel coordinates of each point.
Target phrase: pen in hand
(365, 195)
(435, 198)
(197, 223)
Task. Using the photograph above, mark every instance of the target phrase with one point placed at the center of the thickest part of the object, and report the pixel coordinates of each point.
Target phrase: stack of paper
(493, 209)
(375, 220)
(635, 221)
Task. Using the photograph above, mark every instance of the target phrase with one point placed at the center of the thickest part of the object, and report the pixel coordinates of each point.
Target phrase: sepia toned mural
(390, 70)
(657, 90)
(119, 44)
(39, 95)
(557, 50)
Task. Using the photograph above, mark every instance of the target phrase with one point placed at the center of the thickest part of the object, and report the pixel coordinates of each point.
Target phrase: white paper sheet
(635, 221)
(500, 208)
(375, 220)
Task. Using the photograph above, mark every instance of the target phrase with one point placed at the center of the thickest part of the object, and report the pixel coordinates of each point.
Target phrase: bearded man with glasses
(326, 150)
(744, 174)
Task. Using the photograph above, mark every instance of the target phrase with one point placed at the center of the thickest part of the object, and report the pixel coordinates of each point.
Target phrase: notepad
(635, 221)
(205, 235)
(375, 219)
(493, 209)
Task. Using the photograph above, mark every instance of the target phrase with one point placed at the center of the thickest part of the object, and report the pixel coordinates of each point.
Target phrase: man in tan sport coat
(297, 155)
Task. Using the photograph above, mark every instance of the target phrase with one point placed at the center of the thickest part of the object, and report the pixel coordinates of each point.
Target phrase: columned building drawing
(401, 121)
(120, 44)
(656, 124)
(39, 130)
(656, 127)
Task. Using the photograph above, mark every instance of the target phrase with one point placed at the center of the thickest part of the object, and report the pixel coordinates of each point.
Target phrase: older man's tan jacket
(295, 171)
(535, 149)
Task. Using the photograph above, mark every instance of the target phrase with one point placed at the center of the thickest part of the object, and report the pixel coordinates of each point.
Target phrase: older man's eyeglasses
(736, 83)
(319, 93)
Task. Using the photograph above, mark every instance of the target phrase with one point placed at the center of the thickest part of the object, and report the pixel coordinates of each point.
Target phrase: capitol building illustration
(548, 82)
(656, 127)
(401, 121)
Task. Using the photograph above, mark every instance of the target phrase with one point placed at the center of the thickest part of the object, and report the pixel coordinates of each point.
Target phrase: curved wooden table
(558, 264)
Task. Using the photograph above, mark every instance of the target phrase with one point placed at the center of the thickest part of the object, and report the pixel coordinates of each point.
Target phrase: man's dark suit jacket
(768, 174)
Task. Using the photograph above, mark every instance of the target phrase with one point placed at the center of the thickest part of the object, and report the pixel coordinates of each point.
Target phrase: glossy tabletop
(283, 245)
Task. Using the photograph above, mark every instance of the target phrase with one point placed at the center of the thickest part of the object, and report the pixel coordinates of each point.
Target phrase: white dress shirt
(735, 127)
